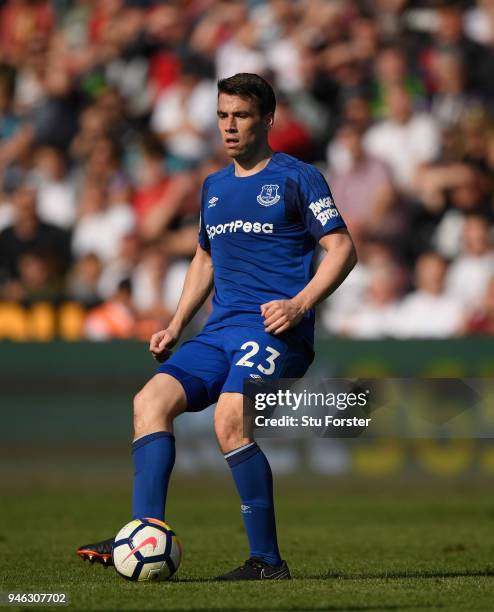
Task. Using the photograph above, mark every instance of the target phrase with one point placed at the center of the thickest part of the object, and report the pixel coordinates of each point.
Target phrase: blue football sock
(154, 456)
(252, 475)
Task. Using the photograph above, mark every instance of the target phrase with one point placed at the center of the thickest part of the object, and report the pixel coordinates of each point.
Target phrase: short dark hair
(248, 85)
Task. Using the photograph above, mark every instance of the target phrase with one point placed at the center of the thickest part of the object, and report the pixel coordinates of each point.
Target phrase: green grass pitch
(349, 548)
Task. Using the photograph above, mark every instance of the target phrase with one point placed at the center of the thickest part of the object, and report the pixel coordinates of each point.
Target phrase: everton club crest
(269, 195)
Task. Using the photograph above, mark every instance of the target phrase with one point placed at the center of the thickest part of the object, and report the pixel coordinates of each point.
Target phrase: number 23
(254, 349)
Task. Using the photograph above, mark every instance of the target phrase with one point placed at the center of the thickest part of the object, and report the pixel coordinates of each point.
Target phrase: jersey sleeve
(203, 237)
(311, 201)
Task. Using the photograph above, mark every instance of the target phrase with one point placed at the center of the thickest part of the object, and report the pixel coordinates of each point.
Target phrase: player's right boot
(257, 569)
(99, 552)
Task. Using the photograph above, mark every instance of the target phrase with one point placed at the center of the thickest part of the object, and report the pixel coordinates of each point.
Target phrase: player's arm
(197, 286)
(340, 258)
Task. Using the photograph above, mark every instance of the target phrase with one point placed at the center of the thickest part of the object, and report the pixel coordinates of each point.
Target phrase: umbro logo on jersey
(269, 195)
(245, 509)
(212, 202)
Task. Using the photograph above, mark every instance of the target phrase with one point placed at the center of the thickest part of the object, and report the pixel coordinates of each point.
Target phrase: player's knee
(141, 410)
(150, 411)
(229, 432)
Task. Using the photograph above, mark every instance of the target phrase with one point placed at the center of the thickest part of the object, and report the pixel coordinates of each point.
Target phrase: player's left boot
(257, 569)
(99, 552)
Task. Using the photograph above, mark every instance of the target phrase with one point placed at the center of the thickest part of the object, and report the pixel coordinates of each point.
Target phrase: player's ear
(269, 121)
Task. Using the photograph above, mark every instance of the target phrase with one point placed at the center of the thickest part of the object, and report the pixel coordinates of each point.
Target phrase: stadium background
(107, 129)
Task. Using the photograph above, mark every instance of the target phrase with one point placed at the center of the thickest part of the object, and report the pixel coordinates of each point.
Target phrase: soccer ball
(146, 549)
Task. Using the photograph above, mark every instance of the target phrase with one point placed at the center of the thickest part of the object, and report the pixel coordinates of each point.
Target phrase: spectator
(376, 317)
(348, 299)
(391, 70)
(148, 280)
(357, 111)
(30, 77)
(449, 36)
(471, 271)
(429, 312)
(451, 100)
(284, 60)
(20, 23)
(362, 186)
(288, 134)
(122, 266)
(102, 223)
(115, 318)
(482, 320)
(103, 164)
(240, 53)
(185, 115)
(404, 140)
(9, 122)
(38, 279)
(479, 21)
(54, 120)
(29, 234)
(56, 196)
(83, 281)
(465, 198)
(92, 127)
(158, 195)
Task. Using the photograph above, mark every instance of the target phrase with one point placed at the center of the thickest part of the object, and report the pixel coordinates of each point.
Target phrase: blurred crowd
(108, 128)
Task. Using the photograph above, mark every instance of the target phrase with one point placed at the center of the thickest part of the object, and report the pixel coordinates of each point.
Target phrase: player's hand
(280, 315)
(162, 342)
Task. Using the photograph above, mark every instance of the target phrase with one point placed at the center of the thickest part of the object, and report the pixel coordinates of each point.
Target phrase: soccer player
(261, 219)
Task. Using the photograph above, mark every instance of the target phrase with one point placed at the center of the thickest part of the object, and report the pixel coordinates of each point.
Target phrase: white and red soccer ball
(146, 549)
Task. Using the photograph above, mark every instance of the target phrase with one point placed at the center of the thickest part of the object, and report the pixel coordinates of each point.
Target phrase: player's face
(243, 129)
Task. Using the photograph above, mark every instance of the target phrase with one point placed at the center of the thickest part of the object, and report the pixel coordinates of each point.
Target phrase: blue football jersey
(261, 231)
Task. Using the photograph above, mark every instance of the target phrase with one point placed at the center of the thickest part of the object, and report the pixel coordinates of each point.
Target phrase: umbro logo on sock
(245, 509)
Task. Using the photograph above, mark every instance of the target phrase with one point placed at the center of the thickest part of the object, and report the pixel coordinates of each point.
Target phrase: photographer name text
(309, 421)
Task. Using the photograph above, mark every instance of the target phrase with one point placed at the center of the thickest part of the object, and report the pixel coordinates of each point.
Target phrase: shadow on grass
(296, 609)
(400, 575)
(312, 607)
(365, 576)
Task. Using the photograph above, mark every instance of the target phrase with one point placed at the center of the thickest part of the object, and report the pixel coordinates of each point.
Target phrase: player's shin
(154, 457)
(252, 475)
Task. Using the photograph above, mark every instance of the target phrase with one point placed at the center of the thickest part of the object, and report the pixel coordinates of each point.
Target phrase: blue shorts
(218, 361)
